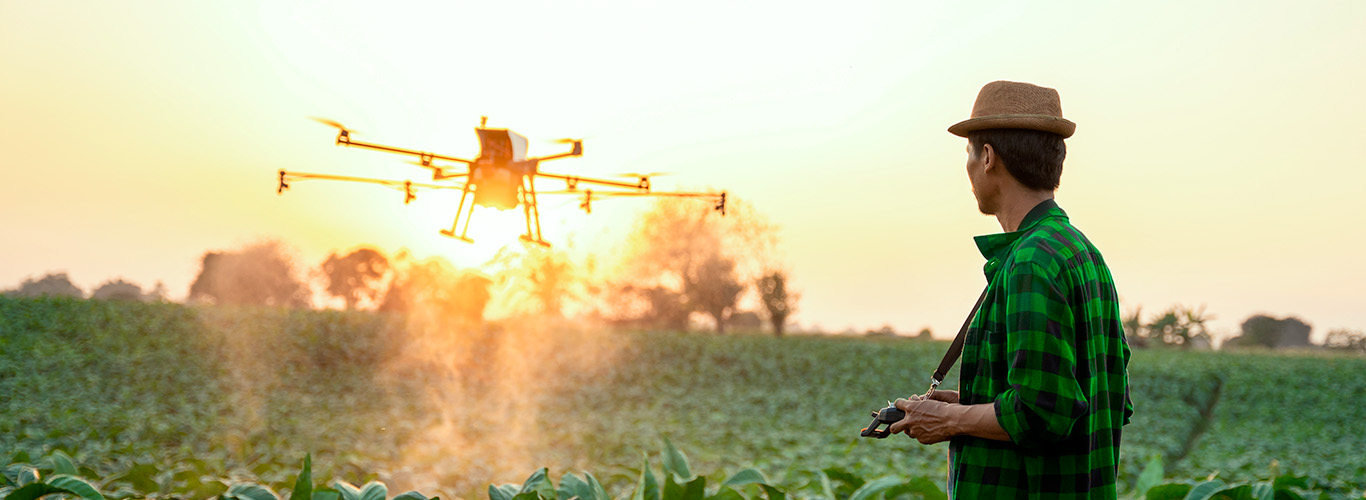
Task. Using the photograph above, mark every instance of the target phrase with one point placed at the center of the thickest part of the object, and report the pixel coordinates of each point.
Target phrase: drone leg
(454, 225)
(532, 211)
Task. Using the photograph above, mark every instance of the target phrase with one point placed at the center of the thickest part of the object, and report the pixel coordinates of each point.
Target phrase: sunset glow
(1207, 162)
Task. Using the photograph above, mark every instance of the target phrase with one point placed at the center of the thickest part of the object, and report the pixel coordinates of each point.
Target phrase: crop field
(171, 401)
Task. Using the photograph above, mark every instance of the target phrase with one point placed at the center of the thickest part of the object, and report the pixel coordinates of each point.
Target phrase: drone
(501, 177)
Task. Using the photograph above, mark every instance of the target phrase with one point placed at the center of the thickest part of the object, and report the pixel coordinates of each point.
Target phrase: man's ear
(989, 159)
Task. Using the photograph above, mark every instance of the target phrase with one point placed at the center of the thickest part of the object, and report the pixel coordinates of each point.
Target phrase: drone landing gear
(532, 212)
(464, 193)
(461, 237)
(528, 239)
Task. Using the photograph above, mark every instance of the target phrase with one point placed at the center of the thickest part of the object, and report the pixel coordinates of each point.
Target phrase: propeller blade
(637, 175)
(564, 140)
(331, 123)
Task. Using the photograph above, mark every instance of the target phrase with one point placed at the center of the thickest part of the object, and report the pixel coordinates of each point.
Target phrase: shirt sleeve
(1043, 400)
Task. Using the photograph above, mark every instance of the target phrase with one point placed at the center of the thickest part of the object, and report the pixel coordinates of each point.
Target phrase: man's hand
(940, 417)
(930, 420)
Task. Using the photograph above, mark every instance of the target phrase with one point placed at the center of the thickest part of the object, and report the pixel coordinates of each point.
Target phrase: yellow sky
(1214, 161)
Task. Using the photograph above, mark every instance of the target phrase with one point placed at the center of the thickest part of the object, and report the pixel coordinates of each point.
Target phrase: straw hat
(1005, 104)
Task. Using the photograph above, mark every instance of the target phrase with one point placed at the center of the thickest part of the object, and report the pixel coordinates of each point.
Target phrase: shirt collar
(994, 246)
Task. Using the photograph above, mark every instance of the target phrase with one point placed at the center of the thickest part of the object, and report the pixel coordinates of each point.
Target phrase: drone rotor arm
(588, 180)
(286, 177)
(422, 156)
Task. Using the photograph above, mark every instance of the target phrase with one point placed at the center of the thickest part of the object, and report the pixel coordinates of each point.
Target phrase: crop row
(56, 475)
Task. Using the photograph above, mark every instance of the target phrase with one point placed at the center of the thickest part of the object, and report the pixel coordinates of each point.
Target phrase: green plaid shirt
(1048, 351)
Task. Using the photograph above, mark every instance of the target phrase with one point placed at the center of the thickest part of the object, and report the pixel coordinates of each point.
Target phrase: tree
(1344, 339)
(357, 276)
(1135, 332)
(1266, 331)
(1179, 326)
(52, 285)
(776, 299)
(436, 288)
(533, 280)
(258, 274)
(118, 290)
(683, 246)
(667, 308)
(714, 289)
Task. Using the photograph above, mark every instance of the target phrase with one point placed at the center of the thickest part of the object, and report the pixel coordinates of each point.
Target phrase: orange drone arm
(577, 151)
(344, 139)
(574, 181)
(406, 186)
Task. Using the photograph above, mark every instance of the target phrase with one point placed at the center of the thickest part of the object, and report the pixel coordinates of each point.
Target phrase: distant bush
(118, 290)
(260, 274)
(1261, 330)
(1347, 340)
(52, 285)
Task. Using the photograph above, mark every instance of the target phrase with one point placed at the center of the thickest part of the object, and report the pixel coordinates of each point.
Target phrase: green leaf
(847, 482)
(530, 495)
(824, 481)
(573, 487)
(1173, 491)
(1230, 492)
(126, 492)
(1287, 481)
(693, 490)
(747, 476)
(141, 476)
(326, 494)
(538, 482)
(675, 462)
(596, 489)
(504, 492)
(303, 485)
(347, 490)
(61, 463)
(1205, 490)
(1151, 476)
(1262, 491)
(872, 489)
(33, 491)
(249, 491)
(20, 457)
(647, 488)
(374, 490)
(413, 495)
(206, 489)
(921, 486)
(726, 494)
(76, 485)
(28, 475)
(773, 493)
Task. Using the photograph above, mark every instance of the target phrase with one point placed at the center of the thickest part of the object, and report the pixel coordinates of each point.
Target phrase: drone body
(501, 177)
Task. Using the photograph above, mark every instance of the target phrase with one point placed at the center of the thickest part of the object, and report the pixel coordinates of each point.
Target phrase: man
(1044, 387)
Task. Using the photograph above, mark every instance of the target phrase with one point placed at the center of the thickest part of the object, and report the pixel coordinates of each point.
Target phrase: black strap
(956, 348)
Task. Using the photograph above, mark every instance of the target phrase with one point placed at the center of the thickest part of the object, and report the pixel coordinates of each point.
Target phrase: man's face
(983, 186)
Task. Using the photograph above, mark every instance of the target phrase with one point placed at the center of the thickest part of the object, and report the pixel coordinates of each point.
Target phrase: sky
(1214, 161)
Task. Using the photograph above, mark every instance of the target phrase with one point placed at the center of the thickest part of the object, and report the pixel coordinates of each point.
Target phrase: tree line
(1185, 327)
(679, 268)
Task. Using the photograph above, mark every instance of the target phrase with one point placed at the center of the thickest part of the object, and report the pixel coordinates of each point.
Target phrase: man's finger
(903, 404)
(945, 396)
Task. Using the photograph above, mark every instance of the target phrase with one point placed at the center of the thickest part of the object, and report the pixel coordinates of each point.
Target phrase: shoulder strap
(956, 348)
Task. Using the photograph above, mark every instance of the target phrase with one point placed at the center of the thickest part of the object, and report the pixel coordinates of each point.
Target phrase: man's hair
(1032, 157)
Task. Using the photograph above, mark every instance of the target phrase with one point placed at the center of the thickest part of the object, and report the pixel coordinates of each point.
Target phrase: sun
(490, 230)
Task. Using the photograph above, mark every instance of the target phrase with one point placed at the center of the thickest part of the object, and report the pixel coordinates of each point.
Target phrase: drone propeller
(331, 123)
(565, 140)
(634, 175)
